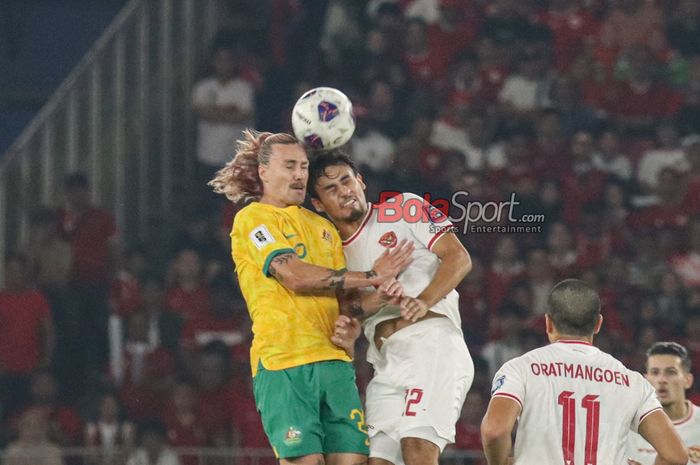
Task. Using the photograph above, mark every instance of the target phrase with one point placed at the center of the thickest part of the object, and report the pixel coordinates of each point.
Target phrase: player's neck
(677, 410)
(566, 338)
(347, 229)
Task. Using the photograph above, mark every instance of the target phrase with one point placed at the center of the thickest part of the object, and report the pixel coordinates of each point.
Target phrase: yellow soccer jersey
(289, 329)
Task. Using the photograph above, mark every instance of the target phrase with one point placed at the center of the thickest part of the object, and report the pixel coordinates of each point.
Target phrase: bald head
(574, 308)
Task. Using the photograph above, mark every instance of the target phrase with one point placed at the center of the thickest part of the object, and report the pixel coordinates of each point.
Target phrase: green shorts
(311, 409)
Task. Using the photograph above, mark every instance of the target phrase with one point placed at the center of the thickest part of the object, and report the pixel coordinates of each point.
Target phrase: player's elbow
(462, 263)
(493, 432)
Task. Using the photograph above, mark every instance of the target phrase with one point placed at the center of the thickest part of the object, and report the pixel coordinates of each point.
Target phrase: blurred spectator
(667, 154)
(633, 22)
(187, 294)
(48, 253)
(482, 153)
(576, 115)
(372, 150)
(183, 422)
(93, 237)
(215, 394)
(110, 437)
(224, 323)
(687, 264)
(33, 446)
(468, 436)
(667, 209)
(682, 28)
(426, 68)
(64, 423)
(562, 254)
(143, 372)
(225, 105)
(26, 334)
(540, 280)
(646, 266)
(688, 116)
(164, 327)
(505, 344)
(124, 298)
(153, 448)
(583, 184)
(609, 159)
(528, 89)
(643, 97)
(506, 268)
(573, 29)
(691, 145)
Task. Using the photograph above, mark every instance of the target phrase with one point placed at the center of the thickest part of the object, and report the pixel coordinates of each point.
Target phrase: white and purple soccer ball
(322, 118)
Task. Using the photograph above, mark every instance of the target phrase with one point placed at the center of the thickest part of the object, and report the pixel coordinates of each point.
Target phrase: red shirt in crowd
(141, 388)
(653, 100)
(22, 315)
(189, 304)
(89, 235)
(570, 29)
(125, 295)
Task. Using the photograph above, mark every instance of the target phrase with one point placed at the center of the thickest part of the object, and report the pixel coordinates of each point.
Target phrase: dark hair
(76, 180)
(671, 348)
(574, 307)
(323, 160)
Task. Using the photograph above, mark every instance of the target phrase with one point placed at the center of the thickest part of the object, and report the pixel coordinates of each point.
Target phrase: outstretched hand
(393, 261)
(347, 330)
(391, 291)
(413, 309)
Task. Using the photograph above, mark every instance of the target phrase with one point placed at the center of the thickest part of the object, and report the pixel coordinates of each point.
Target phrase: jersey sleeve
(261, 238)
(428, 226)
(648, 403)
(509, 382)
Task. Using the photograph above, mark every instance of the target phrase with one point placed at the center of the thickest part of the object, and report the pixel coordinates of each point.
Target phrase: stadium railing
(224, 456)
(121, 116)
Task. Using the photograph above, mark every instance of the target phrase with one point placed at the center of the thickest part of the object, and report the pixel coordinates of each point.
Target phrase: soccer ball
(322, 118)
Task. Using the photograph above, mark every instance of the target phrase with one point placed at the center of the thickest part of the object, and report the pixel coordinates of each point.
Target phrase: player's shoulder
(694, 415)
(254, 212)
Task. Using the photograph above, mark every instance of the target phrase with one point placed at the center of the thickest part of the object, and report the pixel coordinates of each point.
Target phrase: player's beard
(357, 213)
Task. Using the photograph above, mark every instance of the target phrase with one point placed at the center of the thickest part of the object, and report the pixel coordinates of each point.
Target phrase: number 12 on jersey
(568, 437)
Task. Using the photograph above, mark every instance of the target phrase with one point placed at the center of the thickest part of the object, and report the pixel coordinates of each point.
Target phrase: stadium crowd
(587, 110)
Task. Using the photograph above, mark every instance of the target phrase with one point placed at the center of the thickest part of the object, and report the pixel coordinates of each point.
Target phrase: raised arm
(302, 277)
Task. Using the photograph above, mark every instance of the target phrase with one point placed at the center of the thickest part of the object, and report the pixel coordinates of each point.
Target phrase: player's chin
(297, 195)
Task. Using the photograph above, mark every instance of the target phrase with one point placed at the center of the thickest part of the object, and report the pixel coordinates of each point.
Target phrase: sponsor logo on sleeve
(498, 384)
(261, 237)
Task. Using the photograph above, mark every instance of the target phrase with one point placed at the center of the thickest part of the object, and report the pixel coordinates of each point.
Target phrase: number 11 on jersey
(568, 438)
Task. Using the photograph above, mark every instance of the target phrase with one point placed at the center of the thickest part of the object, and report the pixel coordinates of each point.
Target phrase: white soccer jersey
(689, 430)
(578, 404)
(421, 224)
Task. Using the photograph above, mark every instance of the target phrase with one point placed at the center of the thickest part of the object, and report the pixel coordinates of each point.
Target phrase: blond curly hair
(239, 180)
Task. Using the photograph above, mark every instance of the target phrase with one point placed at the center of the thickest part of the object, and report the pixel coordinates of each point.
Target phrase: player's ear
(361, 180)
(688, 380)
(262, 172)
(596, 330)
(318, 206)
